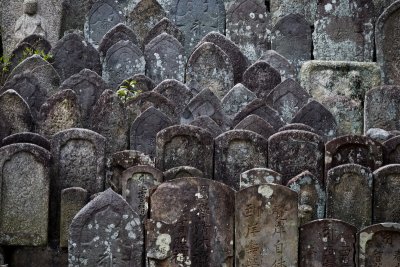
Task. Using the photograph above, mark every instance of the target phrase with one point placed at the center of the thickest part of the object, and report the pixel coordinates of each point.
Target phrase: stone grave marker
(392, 151)
(236, 99)
(175, 91)
(27, 137)
(119, 32)
(19, 54)
(37, 42)
(280, 9)
(256, 124)
(280, 63)
(73, 14)
(208, 124)
(164, 26)
(182, 172)
(143, 83)
(297, 126)
(257, 176)
(37, 256)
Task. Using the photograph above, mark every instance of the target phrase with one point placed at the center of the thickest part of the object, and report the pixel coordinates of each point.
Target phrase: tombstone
(248, 25)
(73, 14)
(15, 115)
(144, 129)
(27, 137)
(261, 78)
(266, 220)
(297, 126)
(280, 9)
(175, 91)
(25, 180)
(236, 99)
(379, 245)
(280, 63)
(106, 231)
(209, 68)
(328, 241)
(122, 60)
(19, 54)
(196, 19)
(88, 86)
(143, 83)
(164, 26)
(103, 15)
(61, 111)
(38, 42)
(293, 30)
(144, 17)
(353, 149)
(73, 54)
(165, 58)
(288, 98)
(208, 124)
(173, 241)
(256, 124)
(345, 186)
(182, 172)
(311, 196)
(257, 176)
(376, 117)
(73, 199)
(392, 150)
(184, 145)
(341, 88)
(319, 118)
(344, 31)
(119, 32)
(37, 256)
(237, 151)
(109, 119)
(292, 152)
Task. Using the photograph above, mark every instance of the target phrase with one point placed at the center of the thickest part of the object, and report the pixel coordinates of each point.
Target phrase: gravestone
(61, 111)
(328, 241)
(256, 124)
(25, 180)
(37, 256)
(209, 68)
(345, 186)
(207, 124)
(182, 172)
(165, 58)
(341, 88)
(37, 42)
(280, 9)
(288, 98)
(19, 54)
(27, 137)
(248, 25)
(122, 60)
(173, 241)
(15, 115)
(144, 129)
(175, 91)
(106, 231)
(292, 152)
(119, 32)
(280, 63)
(297, 126)
(164, 26)
(376, 117)
(109, 119)
(73, 199)
(236, 99)
(257, 176)
(143, 82)
(392, 151)
(261, 78)
(73, 54)
(237, 151)
(266, 220)
(184, 145)
(72, 16)
(311, 196)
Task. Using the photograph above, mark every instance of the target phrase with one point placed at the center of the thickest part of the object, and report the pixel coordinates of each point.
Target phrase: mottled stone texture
(119, 32)
(256, 124)
(207, 124)
(164, 26)
(27, 137)
(182, 172)
(175, 91)
(280, 63)
(236, 99)
(258, 176)
(37, 256)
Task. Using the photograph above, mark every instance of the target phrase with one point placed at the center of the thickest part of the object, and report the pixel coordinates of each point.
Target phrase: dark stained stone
(181, 172)
(208, 124)
(19, 54)
(27, 137)
(292, 152)
(164, 25)
(236, 99)
(175, 91)
(119, 32)
(256, 124)
(328, 241)
(184, 145)
(280, 63)
(297, 126)
(266, 220)
(38, 256)
(72, 15)
(143, 83)
(392, 150)
(37, 42)
(237, 151)
(258, 176)
(346, 185)
(209, 205)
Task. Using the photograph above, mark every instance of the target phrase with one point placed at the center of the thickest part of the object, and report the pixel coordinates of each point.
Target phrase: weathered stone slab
(346, 185)
(175, 91)
(209, 68)
(236, 99)
(280, 63)
(73, 14)
(261, 78)
(392, 151)
(256, 124)
(144, 129)
(109, 119)
(237, 151)
(328, 241)
(311, 196)
(182, 172)
(143, 83)
(25, 186)
(37, 42)
(165, 58)
(61, 111)
(119, 32)
(258, 176)
(37, 256)
(15, 114)
(27, 137)
(248, 25)
(209, 205)
(72, 54)
(280, 9)
(208, 124)
(164, 25)
(184, 145)
(319, 118)
(73, 199)
(292, 152)
(106, 231)
(19, 54)
(266, 220)
(297, 126)
(341, 88)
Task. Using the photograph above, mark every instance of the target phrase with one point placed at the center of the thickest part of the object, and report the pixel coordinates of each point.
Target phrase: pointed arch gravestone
(280, 63)
(208, 124)
(119, 32)
(27, 137)
(37, 42)
(237, 99)
(175, 91)
(164, 26)
(182, 172)
(256, 124)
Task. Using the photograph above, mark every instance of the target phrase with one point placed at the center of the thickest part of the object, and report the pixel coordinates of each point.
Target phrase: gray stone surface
(182, 172)
(208, 124)
(257, 176)
(256, 124)
(27, 137)
(236, 99)
(37, 42)
(37, 256)
(392, 150)
(297, 126)
(72, 15)
(164, 26)
(18, 54)
(379, 135)
(175, 91)
(119, 32)
(280, 63)
(143, 82)
(280, 9)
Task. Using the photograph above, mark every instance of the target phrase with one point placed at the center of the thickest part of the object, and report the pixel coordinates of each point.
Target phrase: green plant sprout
(127, 90)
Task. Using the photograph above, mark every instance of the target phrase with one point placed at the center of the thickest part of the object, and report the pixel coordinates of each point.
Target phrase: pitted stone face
(30, 7)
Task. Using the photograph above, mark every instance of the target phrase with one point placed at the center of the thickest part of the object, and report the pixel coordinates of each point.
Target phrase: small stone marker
(73, 14)
(182, 172)
(280, 63)
(266, 220)
(164, 25)
(119, 32)
(236, 99)
(27, 137)
(256, 124)
(207, 124)
(392, 150)
(175, 91)
(258, 176)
